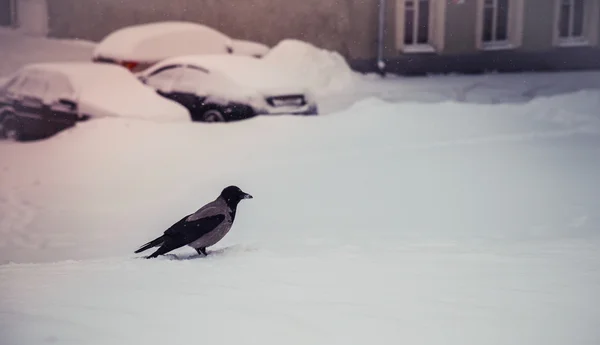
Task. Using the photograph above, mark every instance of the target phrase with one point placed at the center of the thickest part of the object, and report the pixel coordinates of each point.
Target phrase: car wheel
(11, 128)
(213, 115)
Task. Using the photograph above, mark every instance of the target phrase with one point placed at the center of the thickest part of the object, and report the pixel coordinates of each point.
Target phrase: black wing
(185, 232)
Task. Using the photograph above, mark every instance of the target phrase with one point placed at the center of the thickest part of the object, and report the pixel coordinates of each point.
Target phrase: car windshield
(8, 82)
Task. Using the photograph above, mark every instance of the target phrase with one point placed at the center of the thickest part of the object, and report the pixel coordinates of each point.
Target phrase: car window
(34, 86)
(191, 80)
(59, 86)
(14, 85)
(163, 78)
(8, 82)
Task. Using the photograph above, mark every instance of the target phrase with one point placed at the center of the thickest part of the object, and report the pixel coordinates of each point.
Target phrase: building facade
(28, 16)
(504, 35)
(408, 36)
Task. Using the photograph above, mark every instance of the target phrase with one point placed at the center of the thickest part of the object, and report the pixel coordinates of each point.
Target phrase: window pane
(11, 84)
(34, 86)
(409, 15)
(563, 24)
(578, 18)
(488, 14)
(59, 87)
(423, 28)
(502, 20)
(6, 12)
(191, 80)
(163, 78)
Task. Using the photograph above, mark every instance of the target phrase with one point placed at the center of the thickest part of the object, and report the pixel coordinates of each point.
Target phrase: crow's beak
(247, 196)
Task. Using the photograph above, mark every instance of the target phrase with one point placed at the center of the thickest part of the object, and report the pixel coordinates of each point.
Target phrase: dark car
(36, 104)
(41, 100)
(222, 88)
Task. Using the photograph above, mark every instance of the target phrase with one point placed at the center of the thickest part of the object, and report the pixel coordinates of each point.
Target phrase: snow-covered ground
(432, 219)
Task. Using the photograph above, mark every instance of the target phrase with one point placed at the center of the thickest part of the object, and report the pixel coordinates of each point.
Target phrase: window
(191, 80)
(570, 23)
(417, 24)
(575, 22)
(163, 78)
(34, 86)
(500, 24)
(58, 87)
(495, 21)
(7, 12)
(12, 85)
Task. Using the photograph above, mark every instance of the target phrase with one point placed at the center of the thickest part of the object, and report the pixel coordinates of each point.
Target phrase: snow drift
(463, 162)
(319, 70)
(425, 224)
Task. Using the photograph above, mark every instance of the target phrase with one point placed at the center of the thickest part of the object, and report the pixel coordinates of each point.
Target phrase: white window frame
(590, 25)
(514, 27)
(435, 27)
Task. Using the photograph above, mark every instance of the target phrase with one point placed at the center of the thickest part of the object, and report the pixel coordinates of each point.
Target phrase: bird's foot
(202, 251)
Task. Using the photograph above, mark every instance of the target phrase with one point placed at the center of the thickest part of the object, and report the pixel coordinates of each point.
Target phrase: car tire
(11, 128)
(213, 115)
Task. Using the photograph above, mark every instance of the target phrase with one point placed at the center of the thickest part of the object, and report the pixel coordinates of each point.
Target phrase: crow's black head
(233, 195)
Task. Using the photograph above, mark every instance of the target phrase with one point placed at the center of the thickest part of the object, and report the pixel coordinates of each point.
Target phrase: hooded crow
(201, 229)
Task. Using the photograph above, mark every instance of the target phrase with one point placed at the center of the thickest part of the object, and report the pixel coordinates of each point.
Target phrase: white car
(40, 100)
(137, 47)
(220, 88)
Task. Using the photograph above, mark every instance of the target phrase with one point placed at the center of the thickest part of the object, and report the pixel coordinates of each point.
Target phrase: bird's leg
(202, 251)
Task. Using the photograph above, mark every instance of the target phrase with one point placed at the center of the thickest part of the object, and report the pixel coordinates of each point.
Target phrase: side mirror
(67, 102)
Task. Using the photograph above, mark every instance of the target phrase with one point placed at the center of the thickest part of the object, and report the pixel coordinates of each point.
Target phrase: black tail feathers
(154, 243)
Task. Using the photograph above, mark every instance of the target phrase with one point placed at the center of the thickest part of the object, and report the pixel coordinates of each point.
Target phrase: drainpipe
(380, 62)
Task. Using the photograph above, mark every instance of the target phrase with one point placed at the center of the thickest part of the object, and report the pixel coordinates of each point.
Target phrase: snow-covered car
(137, 47)
(222, 88)
(40, 100)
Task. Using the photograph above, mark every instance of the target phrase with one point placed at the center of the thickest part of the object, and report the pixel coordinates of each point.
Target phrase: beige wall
(363, 34)
(461, 21)
(538, 25)
(347, 26)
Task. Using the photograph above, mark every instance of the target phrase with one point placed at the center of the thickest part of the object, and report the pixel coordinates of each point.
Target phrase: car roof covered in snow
(156, 41)
(81, 74)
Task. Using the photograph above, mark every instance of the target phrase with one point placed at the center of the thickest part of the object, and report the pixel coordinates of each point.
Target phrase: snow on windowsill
(418, 48)
(501, 45)
(567, 43)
